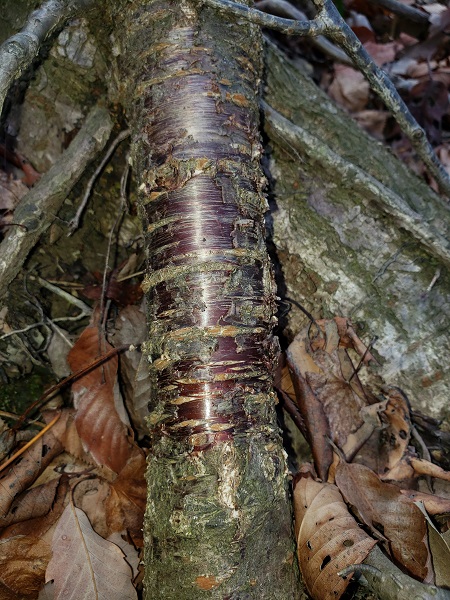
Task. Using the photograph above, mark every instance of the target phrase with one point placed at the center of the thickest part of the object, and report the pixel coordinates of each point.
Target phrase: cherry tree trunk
(218, 520)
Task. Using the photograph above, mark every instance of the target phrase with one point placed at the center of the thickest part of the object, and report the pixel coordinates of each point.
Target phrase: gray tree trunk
(357, 234)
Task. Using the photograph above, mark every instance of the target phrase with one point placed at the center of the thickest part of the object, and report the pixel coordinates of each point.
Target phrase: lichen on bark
(363, 237)
(218, 518)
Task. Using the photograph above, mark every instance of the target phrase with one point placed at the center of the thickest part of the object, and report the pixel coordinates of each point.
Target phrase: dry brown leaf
(68, 436)
(440, 551)
(23, 560)
(311, 410)
(329, 539)
(329, 394)
(99, 426)
(349, 88)
(131, 554)
(11, 192)
(396, 433)
(84, 566)
(90, 496)
(434, 505)
(131, 328)
(27, 468)
(382, 53)
(40, 526)
(373, 121)
(32, 503)
(383, 508)
(125, 505)
(424, 467)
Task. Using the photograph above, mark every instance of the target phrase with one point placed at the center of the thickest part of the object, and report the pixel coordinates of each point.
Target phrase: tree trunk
(358, 234)
(218, 520)
(349, 240)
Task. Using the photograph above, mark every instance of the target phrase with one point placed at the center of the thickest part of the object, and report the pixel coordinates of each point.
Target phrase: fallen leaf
(32, 503)
(434, 505)
(125, 505)
(389, 514)
(84, 566)
(373, 121)
(27, 468)
(130, 327)
(329, 393)
(382, 53)
(98, 423)
(349, 88)
(328, 540)
(130, 552)
(23, 560)
(440, 551)
(396, 433)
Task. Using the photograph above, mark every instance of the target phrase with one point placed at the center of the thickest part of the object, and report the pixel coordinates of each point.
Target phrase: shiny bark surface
(218, 517)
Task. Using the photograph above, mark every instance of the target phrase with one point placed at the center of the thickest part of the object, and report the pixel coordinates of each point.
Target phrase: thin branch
(330, 22)
(74, 223)
(30, 443)
(19, 51)
(405, 11)
(286, 9)
(23, 330)
(287, 26)
(54, 388)
(341, 34)
(386, 580)
(84, 308)
(37, 209)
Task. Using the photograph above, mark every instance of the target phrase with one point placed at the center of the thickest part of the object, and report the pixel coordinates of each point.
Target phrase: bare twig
(287, 26)
(54, 388)
(30, 443)
(403, 10)
(38, 207)
(23, 330)
(329, 22)
(343, 36)
(386, 580)
(84, 308)
(74, 223)
(292, 12)
(18, 52)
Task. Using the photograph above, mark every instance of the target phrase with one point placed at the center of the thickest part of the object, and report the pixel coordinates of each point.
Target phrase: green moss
(18, 394)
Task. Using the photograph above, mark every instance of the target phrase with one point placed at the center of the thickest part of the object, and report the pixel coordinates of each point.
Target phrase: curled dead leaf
(390, 515)
(98, 423)
(328, 538)
(23, 560)
(328, 391)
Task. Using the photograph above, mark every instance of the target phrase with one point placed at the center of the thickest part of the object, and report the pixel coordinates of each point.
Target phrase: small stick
(287, 26)
(80, 373)
(75, 222)
(329, 22)
(403, 10)
(292, 12)
(85, 309)
(30, 443)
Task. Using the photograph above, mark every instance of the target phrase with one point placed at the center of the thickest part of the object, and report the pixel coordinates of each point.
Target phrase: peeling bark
(218, 518)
